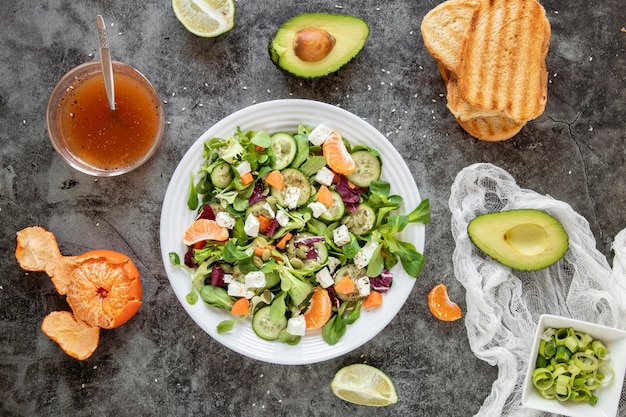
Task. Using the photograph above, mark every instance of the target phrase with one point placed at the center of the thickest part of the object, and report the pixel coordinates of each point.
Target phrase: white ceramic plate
(608, 396)
(273, 116)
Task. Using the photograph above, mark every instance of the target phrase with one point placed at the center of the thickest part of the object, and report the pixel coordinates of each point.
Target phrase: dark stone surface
(160, 362)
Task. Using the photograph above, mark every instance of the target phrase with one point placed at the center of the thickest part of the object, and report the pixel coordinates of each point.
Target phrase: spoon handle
(105, 60)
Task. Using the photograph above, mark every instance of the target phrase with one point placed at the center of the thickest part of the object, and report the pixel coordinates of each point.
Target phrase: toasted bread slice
(443, 29)
(481, 124)
(459, 107)
(491, 128)
(502, 62)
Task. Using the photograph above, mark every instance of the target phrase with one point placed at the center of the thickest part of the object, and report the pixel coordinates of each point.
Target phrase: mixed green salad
(282, 237)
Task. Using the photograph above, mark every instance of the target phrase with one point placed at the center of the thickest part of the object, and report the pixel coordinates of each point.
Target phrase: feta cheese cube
(255, 279)
(324, 176)
(296, 326)
(243, 168)
(239, 289)
(270, 211)
(341, 235)
(228, 278)
(362, 284)
(251, 226)
(319, 134)
(282, 218)
(332, 264)
(291, 197)
(317, 208)
(225, 219)
(364, 255)
(324, 278)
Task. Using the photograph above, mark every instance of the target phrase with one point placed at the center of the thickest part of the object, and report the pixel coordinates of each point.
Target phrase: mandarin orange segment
(204, 229)
(105, 289)
(440, 305)
(337, 155)
(77, 338)
(320, 309)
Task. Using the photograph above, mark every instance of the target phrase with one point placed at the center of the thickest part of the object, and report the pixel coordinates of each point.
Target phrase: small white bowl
(608, 395)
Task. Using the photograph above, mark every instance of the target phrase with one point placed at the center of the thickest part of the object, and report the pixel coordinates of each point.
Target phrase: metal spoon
(105, 60)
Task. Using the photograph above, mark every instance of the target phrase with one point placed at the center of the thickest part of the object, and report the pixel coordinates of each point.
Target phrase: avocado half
(313, 45)
(525, 239)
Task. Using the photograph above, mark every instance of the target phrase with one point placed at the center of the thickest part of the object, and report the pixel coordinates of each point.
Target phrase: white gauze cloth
(504, 305)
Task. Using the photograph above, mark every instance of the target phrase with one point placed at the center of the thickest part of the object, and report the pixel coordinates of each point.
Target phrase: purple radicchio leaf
(257, 193)
(189, 262)
(312, 254)
(347, 193)
(309, 240)
(382, 283)
(351, 207)
(217, 276)
(273, 226)
(206, 213)
(335, 301)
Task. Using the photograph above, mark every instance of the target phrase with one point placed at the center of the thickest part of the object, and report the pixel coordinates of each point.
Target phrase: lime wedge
(206, 18)
(364, 385)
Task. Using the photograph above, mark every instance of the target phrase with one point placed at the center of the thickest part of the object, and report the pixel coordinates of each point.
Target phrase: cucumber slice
(258, 209)
(265, 327)
(293, 178)
(299, 251)
(361, 220)
(367, 168)
(336, 211)
(284, 148)
(222, 175)
(354, 272)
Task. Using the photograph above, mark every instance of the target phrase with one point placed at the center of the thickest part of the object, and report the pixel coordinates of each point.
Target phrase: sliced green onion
(570, 366)
(560, 336)
(549, 349)
(542, 379)
(562, 354)
(571, 343)
(584, 340)
(598, 349)
(586, 362)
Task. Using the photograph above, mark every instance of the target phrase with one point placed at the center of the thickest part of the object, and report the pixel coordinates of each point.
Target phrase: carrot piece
(324, 196)
(275, 179)
(259, 148)
(258, 251)
(345, 285)
(283, 240)
(246, 178)
(264, 223)
(199, 245)
(241, 306)
(373, 299)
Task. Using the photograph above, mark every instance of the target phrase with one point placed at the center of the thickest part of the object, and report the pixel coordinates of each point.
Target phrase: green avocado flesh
(348, 33)
(526, 239)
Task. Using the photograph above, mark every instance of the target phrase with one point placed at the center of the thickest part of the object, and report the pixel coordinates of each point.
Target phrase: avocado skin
(350, 32)
(491, 233)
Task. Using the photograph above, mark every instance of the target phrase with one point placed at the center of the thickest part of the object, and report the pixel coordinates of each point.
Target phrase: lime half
(364, 385)
(206, 18)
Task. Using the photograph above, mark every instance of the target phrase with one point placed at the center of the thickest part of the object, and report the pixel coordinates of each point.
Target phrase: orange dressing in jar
(103, 138)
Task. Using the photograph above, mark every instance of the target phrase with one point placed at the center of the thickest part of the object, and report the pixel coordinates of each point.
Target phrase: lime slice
(206, 18)
(364, 385)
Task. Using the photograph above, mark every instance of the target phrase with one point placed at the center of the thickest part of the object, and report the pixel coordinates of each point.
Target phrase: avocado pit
(312, 44)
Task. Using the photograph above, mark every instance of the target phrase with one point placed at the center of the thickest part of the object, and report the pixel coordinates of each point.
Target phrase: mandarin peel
(103, 288)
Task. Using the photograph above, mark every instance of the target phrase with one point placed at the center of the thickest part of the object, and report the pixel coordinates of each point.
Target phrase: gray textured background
(161, 363)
